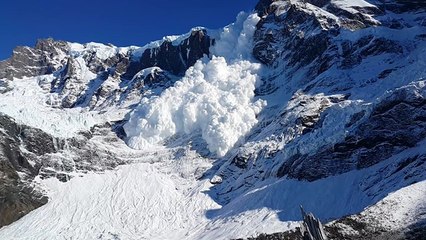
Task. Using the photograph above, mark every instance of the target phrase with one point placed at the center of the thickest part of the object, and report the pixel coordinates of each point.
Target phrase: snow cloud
(214, 98)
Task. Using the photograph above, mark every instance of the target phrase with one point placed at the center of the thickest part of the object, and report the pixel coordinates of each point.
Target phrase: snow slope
(145, 200)
(31, 105)
(161, 196)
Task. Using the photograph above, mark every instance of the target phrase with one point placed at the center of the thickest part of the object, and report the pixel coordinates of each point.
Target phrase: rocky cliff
(351, 89)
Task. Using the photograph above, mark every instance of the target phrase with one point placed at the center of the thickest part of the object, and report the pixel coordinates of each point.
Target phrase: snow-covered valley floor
(162, 195)
(145, 200)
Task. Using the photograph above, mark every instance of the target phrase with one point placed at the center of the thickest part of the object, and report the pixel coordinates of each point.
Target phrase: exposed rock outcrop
(27, 152)
(351, 99)
(17, 197)
(44, 58)
(396, 123)
(174, 57)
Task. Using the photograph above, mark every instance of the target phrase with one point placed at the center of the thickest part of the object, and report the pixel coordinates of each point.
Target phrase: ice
(27, 102)
(215, 97)
(102, 51)
(145, 72)
(30, 104)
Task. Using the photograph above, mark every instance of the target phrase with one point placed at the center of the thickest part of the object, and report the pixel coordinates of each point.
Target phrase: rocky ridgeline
(90, 75)
(87, 78)
(357, 97)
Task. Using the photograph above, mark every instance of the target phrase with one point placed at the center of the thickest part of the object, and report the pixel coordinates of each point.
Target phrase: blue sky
(120, 22)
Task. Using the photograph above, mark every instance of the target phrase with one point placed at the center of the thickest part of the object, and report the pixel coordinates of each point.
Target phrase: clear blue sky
(120, 22)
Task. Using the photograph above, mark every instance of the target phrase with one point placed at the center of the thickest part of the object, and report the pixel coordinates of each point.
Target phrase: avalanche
(215, 98)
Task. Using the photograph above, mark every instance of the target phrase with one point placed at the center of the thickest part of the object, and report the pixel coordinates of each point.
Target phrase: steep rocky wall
(27, 152)
(17, 196)
(351, 90)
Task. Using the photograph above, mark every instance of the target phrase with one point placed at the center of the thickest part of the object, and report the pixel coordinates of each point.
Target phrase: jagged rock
(307, 29)
(314, 48)
(92, 76)
(16, 197)
(44, 58)
(27, 152)
(396, 123)
(175, 59)
(311, 227)
(17, 200)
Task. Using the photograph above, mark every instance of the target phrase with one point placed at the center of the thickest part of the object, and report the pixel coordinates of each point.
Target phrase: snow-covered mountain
(222, 134)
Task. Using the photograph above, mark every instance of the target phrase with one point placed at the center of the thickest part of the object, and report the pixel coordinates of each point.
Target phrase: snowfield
(163, 196)
(145, 200)
(31, 105)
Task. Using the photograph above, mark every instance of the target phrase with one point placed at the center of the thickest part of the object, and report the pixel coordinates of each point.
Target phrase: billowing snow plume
(215, 97)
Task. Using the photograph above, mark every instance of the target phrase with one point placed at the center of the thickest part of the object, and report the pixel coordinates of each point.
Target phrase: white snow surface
(215, 97)
(350, 5)
(145, 200)
(159, 197)
(145, 72)
(102, 51)
(400, 208)
(29, 104)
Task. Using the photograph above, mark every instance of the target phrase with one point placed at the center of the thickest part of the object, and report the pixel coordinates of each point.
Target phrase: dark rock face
(396, 123)
(17, 198)
(316, 50)
(27, 152)
(304, 36)
(175, 59)
(299, 38)
(262, 7)
(404, 5)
